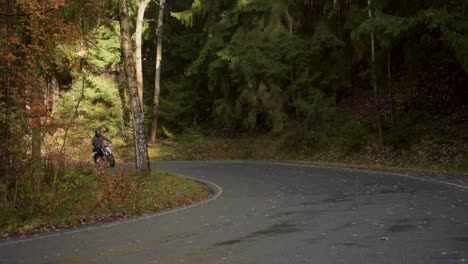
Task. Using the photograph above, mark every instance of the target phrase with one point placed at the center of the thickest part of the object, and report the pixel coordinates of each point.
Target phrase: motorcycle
(106, 156)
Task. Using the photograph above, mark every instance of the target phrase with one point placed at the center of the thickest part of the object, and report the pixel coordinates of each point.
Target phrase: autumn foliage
(31, 32)
(62, 77)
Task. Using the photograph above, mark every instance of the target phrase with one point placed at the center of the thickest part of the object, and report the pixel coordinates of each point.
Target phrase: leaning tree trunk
(138, 43)
(157, 79)
(374, 80)
(141, 147)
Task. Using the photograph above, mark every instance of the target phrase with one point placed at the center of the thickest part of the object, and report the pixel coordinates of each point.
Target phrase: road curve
(276, 213)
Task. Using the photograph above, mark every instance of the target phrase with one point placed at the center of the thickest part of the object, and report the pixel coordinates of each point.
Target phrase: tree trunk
(317, 9)
(124, 97)
(374, 80)
(36, 129)
(5, 122)
(141, 148)
(52, 93)
(138, 44)
(390, 88)
(157, 79)
(36, 145)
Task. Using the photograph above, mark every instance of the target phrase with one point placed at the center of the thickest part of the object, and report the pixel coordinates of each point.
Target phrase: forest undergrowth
(427, 155)
(72, 194)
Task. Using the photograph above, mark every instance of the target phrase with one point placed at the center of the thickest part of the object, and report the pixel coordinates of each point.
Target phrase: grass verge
(85, 195)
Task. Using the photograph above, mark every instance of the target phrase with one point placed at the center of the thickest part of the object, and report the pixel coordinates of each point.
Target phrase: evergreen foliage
(100, 106)
(243, 66)
(454, 30)
(105, 54)
(266, 65)
(177, 104)
(93, 100)
(270, 70)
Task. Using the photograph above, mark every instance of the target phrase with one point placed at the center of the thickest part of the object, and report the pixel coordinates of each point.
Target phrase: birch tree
(141, 147)
(138, 43)
(157, 79)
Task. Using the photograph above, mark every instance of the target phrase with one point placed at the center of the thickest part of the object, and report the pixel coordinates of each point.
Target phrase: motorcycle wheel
(111, 160)
(97, 158)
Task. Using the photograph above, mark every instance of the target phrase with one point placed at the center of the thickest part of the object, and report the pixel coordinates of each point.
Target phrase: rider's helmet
(97, 132)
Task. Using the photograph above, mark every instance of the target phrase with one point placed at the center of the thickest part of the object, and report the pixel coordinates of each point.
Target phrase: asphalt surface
(276, 213)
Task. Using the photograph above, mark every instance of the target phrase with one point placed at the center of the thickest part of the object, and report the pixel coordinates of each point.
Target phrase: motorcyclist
(98, 142)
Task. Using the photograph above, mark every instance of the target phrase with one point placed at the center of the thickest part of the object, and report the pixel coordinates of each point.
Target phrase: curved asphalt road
(276, 213)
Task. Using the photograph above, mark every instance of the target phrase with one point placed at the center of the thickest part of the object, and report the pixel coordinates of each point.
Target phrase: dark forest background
(302, 71)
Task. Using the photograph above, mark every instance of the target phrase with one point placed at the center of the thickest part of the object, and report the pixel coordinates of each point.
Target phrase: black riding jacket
(99, 141)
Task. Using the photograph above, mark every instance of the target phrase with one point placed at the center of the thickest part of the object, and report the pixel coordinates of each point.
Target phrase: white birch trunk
(138, 44)
(157, 79)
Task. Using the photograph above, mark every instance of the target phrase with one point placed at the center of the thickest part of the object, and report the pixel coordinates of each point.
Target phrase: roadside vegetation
(76, 195)
(428, 155)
